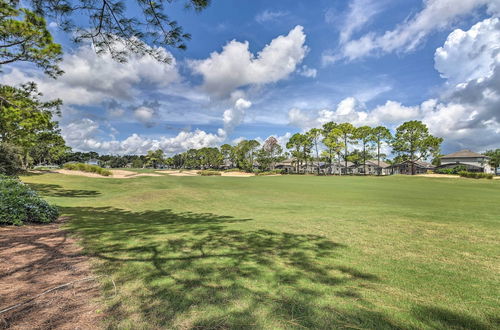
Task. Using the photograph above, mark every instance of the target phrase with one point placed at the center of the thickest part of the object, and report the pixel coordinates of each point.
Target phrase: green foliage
(27, 122)
(10, 159)
(453, 170)
(25, 38)
(414, 142)
(87, 168)
(155, 158)
(209, 173)
(272, 172)
(20, 204)
(270, 153)
(494, 158)
(475, 175)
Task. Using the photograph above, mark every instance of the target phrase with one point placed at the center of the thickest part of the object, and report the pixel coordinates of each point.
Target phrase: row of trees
(245, 155)
(346, 143)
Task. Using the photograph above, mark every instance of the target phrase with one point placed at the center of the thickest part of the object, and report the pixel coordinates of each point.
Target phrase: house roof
(464, 154)
(417, 162)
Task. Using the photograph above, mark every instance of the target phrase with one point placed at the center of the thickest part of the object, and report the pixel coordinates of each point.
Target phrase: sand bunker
(238, 174)
(116, 174)
(450, 176)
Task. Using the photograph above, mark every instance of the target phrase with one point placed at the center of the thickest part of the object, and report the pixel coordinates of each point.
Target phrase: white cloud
(308, 72)
(236, 66)
(85, 135)
(436, 15)
(269, 15)
(234, 116)
(468, 55)
(145, 114)
(360, 13)
(90, 78)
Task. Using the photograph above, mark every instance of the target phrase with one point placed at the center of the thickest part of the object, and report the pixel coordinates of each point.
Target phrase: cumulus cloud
(90, 78)
(477, 50)
(467, 114)
(234, 116)
(235, 66)
(86, 135)
(436, 15)
(270, 15)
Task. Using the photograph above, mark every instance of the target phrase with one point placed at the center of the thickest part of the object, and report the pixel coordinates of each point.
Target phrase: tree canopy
(24, 38)
(414, 142)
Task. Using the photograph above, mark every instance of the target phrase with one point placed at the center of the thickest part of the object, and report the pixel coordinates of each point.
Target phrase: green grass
(289, 251)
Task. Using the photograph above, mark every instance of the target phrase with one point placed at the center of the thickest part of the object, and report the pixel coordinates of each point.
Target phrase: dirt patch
(34, 258)
(239, 174)
(116, 174)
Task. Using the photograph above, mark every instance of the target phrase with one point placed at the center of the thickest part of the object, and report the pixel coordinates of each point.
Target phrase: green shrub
(453, 170)
(475, 175)
(20, 204)
(273, 172)
(208, 173)
(10, 159)
(87, 168)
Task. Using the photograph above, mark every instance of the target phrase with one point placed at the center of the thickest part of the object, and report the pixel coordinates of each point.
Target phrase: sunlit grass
(290, 251)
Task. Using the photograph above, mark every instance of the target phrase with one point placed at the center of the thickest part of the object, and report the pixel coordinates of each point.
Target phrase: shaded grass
(290, 252)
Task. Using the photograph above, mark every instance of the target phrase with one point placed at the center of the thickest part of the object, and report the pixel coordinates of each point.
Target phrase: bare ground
(35, 258)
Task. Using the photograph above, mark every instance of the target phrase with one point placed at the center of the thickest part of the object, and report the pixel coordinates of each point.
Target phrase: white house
(473, 161)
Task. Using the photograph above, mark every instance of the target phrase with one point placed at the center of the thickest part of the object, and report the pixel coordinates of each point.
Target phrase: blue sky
(260, 68)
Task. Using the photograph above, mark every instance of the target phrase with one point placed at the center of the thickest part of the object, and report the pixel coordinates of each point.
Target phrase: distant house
(287, 165)
(473, 161)
(371, 166)
(92, 162)
(420, 167)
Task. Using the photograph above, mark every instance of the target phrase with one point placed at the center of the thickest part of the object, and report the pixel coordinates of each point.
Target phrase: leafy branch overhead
(113, 29)
(25, 38)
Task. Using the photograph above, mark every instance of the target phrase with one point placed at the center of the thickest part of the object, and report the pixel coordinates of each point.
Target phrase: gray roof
(464, 154)
(420, 163)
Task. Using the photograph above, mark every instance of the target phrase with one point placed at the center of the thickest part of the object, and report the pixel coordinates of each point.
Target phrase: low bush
(209, 173)
(20, 204)
(87, 168)
(272, 172)
(453, 170)
(475, 175)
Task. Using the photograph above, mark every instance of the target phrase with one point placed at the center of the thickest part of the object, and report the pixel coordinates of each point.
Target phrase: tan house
(473, 161)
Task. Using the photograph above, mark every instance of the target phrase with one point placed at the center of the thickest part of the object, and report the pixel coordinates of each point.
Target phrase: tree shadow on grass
(188, 270)
(54, 190)
(441, 318)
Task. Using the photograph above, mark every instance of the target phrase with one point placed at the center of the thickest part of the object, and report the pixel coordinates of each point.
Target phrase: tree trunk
(345, 153)
(364, 158)
(379, 170)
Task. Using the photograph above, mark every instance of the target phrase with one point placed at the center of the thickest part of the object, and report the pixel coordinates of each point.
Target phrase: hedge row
(453, 170)
(475, 175)
(208, 173)
(20, 204)
(87, 168)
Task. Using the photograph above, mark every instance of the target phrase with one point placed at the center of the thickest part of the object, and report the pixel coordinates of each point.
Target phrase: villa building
(473, 161)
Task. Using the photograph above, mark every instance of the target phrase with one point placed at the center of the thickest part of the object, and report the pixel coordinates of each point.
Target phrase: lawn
(290, 251)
